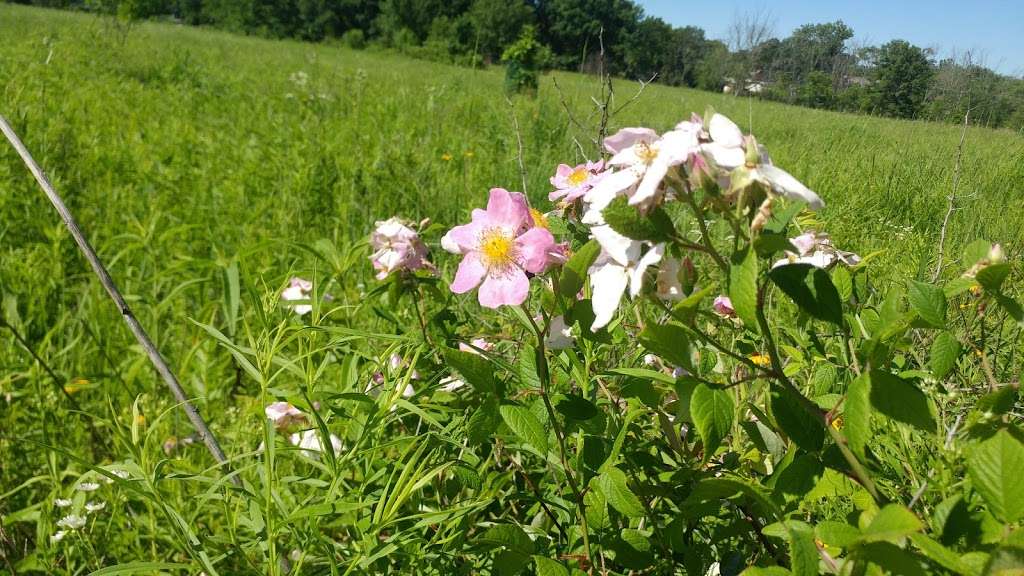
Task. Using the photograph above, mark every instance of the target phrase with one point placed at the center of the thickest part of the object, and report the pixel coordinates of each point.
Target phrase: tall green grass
(208, 168)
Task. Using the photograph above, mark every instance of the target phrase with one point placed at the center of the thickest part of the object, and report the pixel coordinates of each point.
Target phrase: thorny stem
(812, 408)
(545, 379)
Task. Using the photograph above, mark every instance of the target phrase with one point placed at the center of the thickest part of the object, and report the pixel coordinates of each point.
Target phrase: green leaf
(475, 369)
(574, 271)
(944, 353)
(612, 484)
(992, 276)
(996, 467)
(975, 251)
(891, 523)
(780, 218)
(857, 414)
(768, 243)
(928, 301)
(686, 309)
(901, 401)
(483, 422)
(792, 416)
(803, 552)
(139, 568)
(548, 567)
(811, 289)
(838, 534)
(596, 509)
(712, 411)
(627, 220)
(795, 481)
(939, 554)
(526, 426)
(743, 287)
(998, 402)
(575, 407)
(669, 341)
(727, 486)
(510, 562)
(508, 536)
(958, 286)
(843, 282)
(891, 558)
(1012, 307)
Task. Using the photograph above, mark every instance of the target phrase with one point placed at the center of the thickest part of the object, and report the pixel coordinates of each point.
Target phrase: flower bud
(996, 254)
(687, 275)
(753, 151)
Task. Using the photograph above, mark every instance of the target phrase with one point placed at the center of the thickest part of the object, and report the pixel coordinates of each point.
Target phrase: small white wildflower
(88, 486)
(95, 506)
(62, 502)
(71, 522)
(58, 536)
(122, 474)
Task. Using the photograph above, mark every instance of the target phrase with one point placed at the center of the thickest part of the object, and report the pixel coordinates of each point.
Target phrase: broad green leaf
(992, 276)
(574, 271)
(944, 353)
(527, 368)
(768, 243)
(765, 571)
(712, 410)
(727, 486)
(743, 287)
(928, 301)
(575, 407)
(901, 401)
(548, 567)
(686, 309)
(843, 283)
(780, 218)
(475, 369)
(997, 403)
(838, 534)
(510, 562)
(939, 554)
(670, 341)
(633, 549)
(974, 252)
(508, 536)
(803, 552)
(795, 481)
(891, 558)
(596, 508)
(857, 414)
(958, 286)
(793, 417)
(1012, 307)
(526, 426)
(483, 422)
(996, 469)
(627, 220)
(891, 523)
(811, 289)
(613, 486)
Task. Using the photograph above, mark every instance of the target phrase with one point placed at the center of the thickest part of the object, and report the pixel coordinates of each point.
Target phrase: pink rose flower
(397, 247)
(572, 183)
(500, 246)
(284, 415)
(298, 289)
(723, 307)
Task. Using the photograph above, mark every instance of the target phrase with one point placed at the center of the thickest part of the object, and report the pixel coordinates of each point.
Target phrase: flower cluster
(396, 248)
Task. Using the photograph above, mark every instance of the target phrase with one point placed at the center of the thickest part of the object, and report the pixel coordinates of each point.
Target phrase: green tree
(497, 24)
(903, 74)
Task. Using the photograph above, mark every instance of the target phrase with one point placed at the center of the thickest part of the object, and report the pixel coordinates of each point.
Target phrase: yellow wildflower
(446, 157)
(762, 360)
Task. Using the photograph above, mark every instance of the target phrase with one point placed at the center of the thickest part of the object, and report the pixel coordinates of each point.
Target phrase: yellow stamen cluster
(645, 152)
(498, 250)
(539, 219)
(762, 360)
(578, 176)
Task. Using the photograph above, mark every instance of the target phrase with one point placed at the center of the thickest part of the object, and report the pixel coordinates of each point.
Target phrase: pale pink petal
(608, 282)
(626, 137)
(462, 239)
(784, 184)
(508, 290)
(534, 247)
(636, 276)
(508, 209)
(605, 191)
(648, 187)
(616, 246)
(469, 274)
(725, 132)
(725, 158)
(805, 243)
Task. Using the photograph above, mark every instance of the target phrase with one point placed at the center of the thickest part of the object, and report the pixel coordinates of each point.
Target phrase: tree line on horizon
(817, 65)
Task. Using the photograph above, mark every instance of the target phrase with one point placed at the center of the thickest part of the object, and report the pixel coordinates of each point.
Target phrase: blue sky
(994, 27)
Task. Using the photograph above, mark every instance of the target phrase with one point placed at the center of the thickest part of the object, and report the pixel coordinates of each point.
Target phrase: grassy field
(194, 158)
